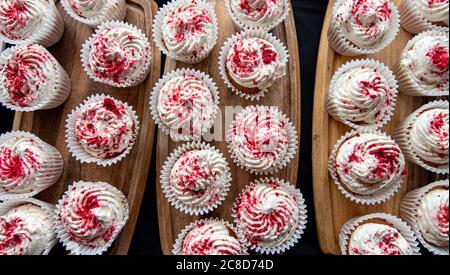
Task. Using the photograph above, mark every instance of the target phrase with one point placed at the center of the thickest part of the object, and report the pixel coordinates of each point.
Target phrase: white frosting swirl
(198, 177)
(432, 216)
(88, 8)
(367, 163)
(435, 11)
(378, 239)
(258, 13)
(254, 63)
(429, 137)
(365, 23)
(24, 231)
(185, 102)
(211, 238)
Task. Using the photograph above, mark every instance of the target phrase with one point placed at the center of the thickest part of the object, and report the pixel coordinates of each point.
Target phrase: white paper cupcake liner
(154, 100)
(75, 147)
(55, 98)
(291, 151)
(50, 172)
(86, 48)
(406, 83)
(74, 247)
(242, 26)
(402, 137)
(48, 33)
(279, 46)
(172, 198)
(372, 199)
(158, 36)
(49, 209)
(412, 20)
(178, 245)
(408, 212)
(382, 69)
(116, 10)
(350, 226)
(283, 247)
(338, 41)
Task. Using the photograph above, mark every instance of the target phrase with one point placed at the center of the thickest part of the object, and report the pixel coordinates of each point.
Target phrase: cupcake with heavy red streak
(117, 54)
(102, 130)
(271, 214)
(423, 66)
(95, 12)
(28, 165)
(209, 237)
(89, 217)
(251, 61)
(362, 26)
(186, 30)
(30, 21)
(423, 136)
(422, 15)
(31, 79)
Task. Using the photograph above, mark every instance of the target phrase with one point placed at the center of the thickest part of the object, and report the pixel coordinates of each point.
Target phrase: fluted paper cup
(412, 20)
(114, 10)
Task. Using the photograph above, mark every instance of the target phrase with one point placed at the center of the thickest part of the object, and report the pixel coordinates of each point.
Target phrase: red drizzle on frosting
(439, 57)
(10, 235)
(442, 218)
(16, 15)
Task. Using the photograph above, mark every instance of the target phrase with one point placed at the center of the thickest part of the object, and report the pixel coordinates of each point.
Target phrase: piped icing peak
(432, 216)
(258, 13)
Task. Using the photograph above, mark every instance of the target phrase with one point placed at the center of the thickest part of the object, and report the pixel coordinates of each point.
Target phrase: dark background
(309, 16)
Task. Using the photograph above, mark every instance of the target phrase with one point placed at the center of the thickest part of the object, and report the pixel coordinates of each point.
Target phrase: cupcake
(102, 130)
(195, 178)
(423, 136)
(26, 227)
(260, 14)
(426, 210)
(28, 165)
(367, 166)
(271, 214)
(95, 12)
(32, 79)
(30, 21)
(117, 54)
(89, 217)
(422, 15)
(362, 94)
(360, 27)
(186, 30)
(184, 104)
(423, 66)
(209, 237)
(377, 234)
(262, 140)
(251, 61)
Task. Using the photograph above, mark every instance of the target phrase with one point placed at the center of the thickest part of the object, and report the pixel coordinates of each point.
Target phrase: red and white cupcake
(28, 165)
(102, 130)
(89, 217)
(196, 178)
(208, 237)
(423, 136)
(368, 167)
(423, 66)
(26, 227)
(260, 14)
(185, 103)
(251, 61)
(421, 15)
(30, 21)
(95, 12)
(186, 30)
(117, 54)
(360, 27)
(31, 79)
(271, 214)
(362, 94)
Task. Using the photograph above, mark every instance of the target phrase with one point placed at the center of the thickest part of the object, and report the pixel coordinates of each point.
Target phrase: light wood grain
(285, 94)
(129, 175)
(331, 207)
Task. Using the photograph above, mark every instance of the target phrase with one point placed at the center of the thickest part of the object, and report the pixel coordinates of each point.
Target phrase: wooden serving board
(331, 207)
(285, 94)
(129, 175)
